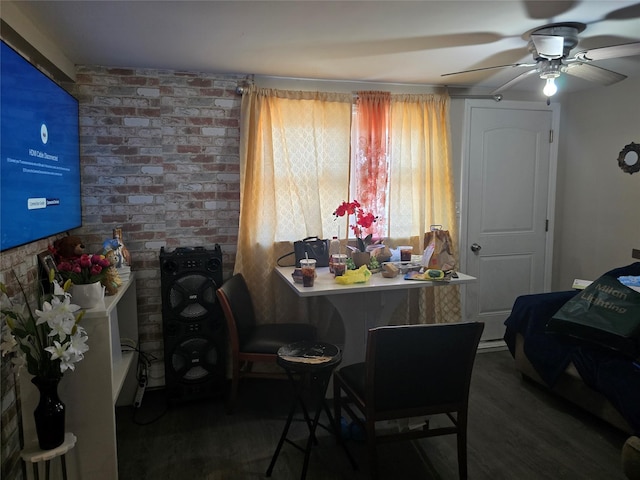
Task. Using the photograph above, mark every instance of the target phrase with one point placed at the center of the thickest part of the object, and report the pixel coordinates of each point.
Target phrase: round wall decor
(629, 158)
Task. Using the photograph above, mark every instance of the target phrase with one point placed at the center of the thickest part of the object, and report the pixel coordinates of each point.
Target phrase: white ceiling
(411, 42)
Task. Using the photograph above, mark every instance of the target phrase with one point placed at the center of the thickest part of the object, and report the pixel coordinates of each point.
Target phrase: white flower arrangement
(48, 340)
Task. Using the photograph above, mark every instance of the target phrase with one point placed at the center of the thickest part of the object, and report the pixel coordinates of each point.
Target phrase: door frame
(554, 108)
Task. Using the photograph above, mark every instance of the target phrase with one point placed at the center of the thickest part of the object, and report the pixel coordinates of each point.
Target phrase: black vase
(49, 414)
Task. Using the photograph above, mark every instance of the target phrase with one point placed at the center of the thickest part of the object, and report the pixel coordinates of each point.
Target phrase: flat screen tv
(39, 154)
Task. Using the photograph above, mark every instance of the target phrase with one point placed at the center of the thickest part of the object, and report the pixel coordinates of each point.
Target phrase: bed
(600, 380)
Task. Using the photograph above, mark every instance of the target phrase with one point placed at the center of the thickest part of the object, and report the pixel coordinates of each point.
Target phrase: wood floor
(516, 431)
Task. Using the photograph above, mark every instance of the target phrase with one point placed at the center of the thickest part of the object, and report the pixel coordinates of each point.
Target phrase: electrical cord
(142, 378)
(128, 342)
(136, 417)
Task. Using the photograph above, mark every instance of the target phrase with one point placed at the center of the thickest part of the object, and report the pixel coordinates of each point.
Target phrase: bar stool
(309, 364)
(34, 455)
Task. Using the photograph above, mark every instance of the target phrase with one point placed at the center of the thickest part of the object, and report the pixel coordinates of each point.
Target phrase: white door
(509, 180)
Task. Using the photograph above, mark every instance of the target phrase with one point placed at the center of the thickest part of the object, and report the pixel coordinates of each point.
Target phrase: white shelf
(119, 374)
(110, 302)
(104, 378)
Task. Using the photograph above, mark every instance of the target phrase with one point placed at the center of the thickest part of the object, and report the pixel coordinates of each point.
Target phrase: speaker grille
(195, 359)
(192, 296)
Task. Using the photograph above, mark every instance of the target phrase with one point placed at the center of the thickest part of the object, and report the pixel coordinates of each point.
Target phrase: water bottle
(334, 249)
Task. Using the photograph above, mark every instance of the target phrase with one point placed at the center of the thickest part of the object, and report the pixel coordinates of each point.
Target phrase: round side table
(309, 364)
(34, 455)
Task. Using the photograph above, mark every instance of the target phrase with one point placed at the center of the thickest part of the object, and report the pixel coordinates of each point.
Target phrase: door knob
(475, 248)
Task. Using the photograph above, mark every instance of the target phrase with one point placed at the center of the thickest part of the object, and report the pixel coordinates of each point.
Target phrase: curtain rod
(496, 97)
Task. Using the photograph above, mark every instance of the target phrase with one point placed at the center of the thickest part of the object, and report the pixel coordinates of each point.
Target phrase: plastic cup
(339, 262)
(308, 267)
(405, 253)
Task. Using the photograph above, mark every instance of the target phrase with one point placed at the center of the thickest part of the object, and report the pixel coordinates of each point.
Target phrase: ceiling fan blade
(548, 46)
(614, 51)
(389, 46)
(512, 82)
(544, 10)
(592, 73)
(490, 68)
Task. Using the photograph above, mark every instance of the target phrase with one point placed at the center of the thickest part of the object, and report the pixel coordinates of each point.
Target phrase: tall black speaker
(193, 323)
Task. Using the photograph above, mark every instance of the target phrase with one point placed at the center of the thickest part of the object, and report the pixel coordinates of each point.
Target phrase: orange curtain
(370, 155)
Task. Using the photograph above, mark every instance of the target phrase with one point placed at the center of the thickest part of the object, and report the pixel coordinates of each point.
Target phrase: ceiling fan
(550, 46)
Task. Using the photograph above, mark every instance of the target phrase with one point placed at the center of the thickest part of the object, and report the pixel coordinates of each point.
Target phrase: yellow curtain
(294, 166)
(421, 192)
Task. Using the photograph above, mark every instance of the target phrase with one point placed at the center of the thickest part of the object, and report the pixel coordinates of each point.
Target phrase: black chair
(250, 342)
(411, 371)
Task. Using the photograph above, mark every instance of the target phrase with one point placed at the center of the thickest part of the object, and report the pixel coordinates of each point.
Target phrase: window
(295, 171)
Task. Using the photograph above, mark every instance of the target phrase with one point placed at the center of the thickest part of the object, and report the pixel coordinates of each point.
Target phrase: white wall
(598, 205)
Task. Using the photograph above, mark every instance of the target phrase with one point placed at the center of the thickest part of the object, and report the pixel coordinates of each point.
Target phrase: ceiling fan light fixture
(550, 87)
(549, 70)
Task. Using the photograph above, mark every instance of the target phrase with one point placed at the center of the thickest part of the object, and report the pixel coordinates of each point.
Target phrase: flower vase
(361, 258)
(49, 415)
(87, 296)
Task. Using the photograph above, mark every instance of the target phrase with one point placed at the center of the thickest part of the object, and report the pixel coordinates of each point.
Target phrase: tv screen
(39, 154)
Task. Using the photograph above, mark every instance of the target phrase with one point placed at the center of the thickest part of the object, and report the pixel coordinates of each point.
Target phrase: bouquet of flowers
(84, 269)
(364, 220)
(49, 339)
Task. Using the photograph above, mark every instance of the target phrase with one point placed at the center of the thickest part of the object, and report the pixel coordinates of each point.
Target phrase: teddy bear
(68, 248)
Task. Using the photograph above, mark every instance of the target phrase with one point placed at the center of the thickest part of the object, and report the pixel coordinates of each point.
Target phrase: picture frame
(47, 263)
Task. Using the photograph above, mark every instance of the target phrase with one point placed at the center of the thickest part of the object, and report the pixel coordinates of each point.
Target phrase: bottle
(334, 249)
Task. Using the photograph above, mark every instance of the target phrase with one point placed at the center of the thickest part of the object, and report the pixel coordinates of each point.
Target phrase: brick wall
(159, 153)
(160, 157)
